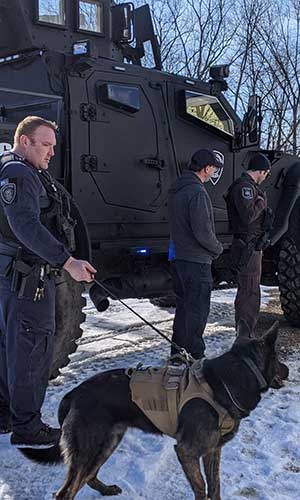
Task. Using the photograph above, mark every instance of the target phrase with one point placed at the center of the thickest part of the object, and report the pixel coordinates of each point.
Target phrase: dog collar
(233, 400)
(260, 378)
(262, 381)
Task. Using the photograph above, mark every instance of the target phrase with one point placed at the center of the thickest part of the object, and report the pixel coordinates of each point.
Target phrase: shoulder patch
(247, 193)
(8, 193)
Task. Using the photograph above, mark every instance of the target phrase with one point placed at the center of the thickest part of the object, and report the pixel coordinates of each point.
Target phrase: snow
(262, 462)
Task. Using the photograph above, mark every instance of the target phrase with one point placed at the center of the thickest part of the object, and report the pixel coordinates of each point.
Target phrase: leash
(182, 352)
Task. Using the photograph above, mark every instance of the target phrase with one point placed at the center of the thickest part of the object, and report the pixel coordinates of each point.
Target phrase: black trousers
(26, 347)
(193, 285)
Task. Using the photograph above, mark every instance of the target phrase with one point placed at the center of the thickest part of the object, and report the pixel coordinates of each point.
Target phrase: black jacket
(246, 205)
(22, 201)
(192, 225)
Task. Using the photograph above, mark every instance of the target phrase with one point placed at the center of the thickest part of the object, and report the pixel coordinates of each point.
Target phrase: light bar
(9, 58)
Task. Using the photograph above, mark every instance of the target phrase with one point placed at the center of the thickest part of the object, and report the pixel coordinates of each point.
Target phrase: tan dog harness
(161, 394)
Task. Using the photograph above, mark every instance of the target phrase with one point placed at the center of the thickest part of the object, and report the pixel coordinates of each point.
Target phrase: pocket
(32, 338)
(31, 352)
(30, 329)
(5, 265)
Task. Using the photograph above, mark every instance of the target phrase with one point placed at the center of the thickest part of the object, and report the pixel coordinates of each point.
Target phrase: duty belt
(11, 251)
(6, 249)
(27, 273)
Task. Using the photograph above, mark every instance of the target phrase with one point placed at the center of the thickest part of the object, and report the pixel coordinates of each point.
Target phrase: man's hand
(80, 270)
(263, 242)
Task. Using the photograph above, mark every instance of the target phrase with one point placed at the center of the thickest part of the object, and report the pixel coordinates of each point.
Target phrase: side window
(206, 109)
(91, 15)
(126, 97)
(52, 12)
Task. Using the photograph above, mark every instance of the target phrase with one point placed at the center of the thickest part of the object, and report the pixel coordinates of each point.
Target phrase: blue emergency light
(142, 251)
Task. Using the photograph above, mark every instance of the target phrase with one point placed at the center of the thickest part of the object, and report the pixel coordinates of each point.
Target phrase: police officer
(247, 212)
(194, 246)
(36, 240)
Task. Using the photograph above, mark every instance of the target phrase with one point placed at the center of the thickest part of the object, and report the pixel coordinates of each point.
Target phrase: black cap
(259, 161)
(204, 157)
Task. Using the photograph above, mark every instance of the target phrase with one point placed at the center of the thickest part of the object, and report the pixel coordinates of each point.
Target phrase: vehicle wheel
(69, 316)
(289, 281)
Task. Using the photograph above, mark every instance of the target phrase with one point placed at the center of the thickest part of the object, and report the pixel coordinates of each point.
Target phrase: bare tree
(193, 34)
(258, 37)
(279, 38)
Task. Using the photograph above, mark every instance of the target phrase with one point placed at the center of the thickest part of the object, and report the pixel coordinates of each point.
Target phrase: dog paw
(113, 490)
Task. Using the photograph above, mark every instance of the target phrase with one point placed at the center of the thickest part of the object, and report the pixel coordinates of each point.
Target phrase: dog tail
(44, 456)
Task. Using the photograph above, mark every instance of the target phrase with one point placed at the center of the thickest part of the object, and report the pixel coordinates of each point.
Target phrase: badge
(4, 146)
(247, 193)
(216, 176)
(8, 193)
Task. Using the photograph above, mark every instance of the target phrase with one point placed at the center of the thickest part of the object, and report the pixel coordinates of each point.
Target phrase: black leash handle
(181, 350)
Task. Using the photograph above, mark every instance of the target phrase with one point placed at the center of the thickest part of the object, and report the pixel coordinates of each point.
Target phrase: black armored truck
(126, 132)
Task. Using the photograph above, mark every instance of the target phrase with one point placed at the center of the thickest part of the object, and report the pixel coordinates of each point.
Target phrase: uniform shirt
(191, 221)
(246, 204)
(22, 196)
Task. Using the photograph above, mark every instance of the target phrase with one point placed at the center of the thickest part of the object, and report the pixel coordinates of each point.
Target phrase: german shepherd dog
(95, 416)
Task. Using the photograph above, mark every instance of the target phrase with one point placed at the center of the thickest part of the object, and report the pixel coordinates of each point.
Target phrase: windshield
(208, 109)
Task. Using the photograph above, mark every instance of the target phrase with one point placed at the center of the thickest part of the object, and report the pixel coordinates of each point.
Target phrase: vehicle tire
(69, 316)
(289, 280)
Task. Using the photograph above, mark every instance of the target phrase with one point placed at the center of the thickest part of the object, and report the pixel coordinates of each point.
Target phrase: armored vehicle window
(208, 109)
(15, 105)
(51, 11)
(125, 97)
(91, 15)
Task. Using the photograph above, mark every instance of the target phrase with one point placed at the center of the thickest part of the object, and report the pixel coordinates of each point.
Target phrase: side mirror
(122, 23)
(252, 121)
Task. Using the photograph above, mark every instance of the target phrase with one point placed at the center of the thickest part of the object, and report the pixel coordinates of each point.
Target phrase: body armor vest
(161, 393)
(55, 208)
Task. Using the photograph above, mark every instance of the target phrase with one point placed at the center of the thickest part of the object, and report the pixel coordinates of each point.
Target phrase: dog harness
(161, 393)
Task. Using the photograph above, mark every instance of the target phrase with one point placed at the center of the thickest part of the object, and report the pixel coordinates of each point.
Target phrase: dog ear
(270, 337)
(243, 330)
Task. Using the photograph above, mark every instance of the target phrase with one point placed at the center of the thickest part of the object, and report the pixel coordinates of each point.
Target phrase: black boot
(5, 427)
(5, 420)
(46, 437)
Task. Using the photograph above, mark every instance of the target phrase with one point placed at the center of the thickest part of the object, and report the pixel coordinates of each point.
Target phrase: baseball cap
(259, 161)
(204, 157)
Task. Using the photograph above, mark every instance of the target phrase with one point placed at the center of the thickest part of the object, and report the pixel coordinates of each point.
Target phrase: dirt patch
(289, 338)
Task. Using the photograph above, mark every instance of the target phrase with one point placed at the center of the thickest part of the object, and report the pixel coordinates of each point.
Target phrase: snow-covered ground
(262, 462)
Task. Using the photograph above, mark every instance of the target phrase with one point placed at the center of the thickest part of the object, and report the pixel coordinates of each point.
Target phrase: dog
(95, 416)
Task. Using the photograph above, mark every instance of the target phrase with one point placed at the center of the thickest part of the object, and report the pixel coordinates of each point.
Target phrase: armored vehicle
(126, 132)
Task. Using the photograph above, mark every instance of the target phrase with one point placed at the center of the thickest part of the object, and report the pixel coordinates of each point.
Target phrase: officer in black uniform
(36, 241)
(248, 213)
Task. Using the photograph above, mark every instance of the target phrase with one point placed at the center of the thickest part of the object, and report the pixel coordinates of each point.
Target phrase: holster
(25, 279)
(240, 253)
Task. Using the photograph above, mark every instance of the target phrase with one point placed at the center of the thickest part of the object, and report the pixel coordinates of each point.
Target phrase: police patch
(247, 193)
(8, 193)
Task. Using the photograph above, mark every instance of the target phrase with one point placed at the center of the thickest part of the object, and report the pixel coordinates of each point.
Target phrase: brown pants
(247, 300)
